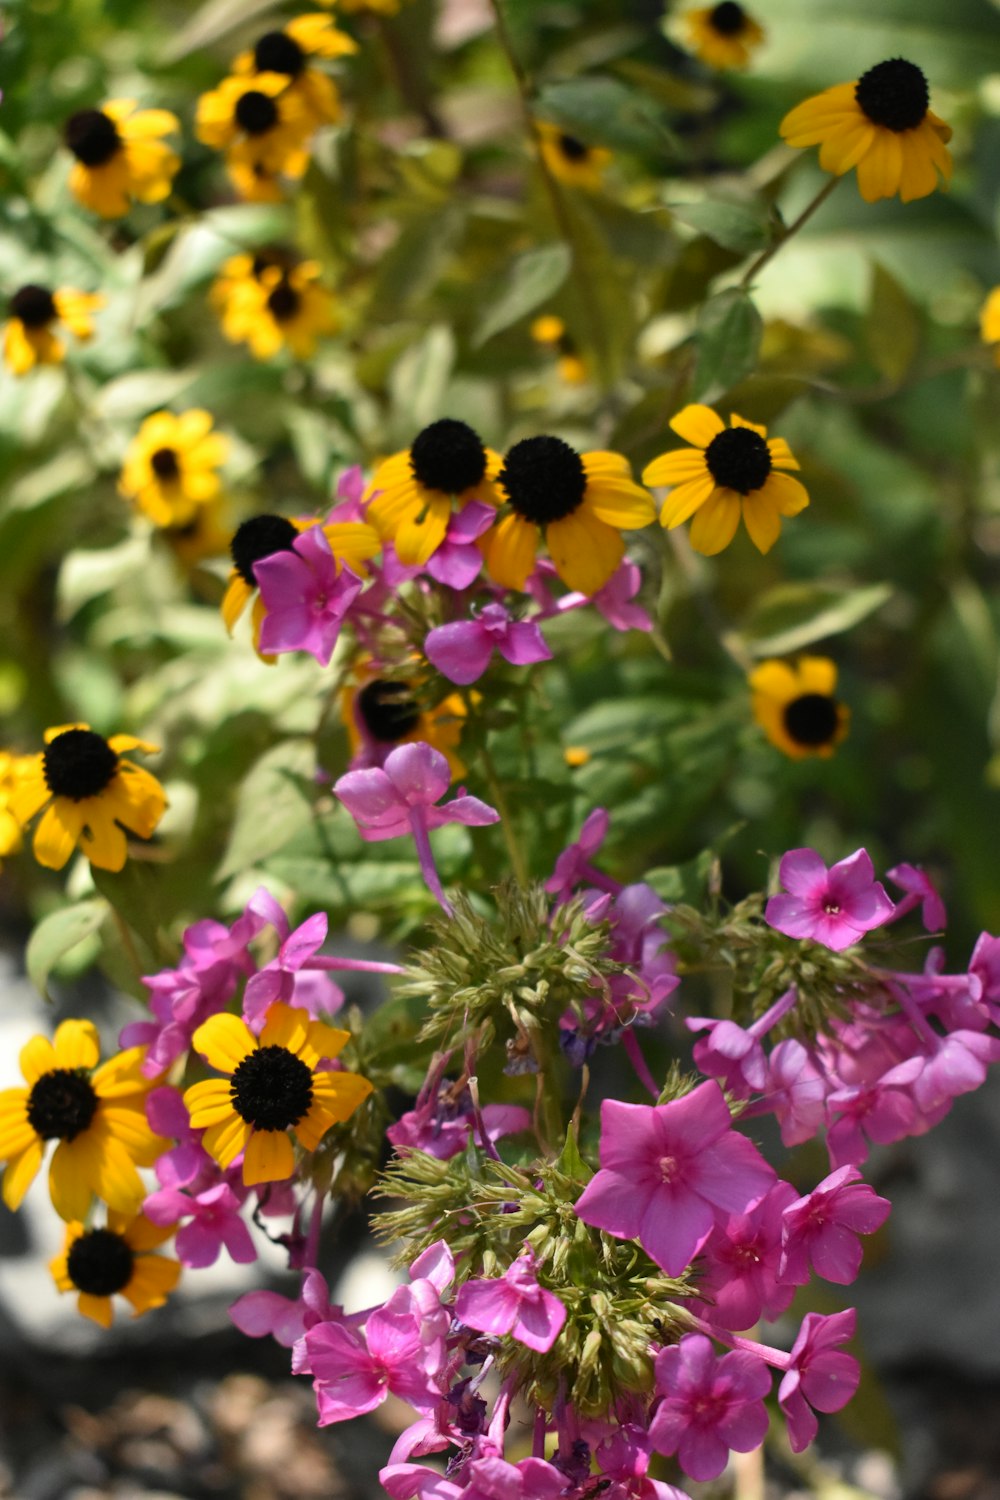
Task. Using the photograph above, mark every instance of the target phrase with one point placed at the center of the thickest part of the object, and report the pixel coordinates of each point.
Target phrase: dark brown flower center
(165, 463)
(388, 710)
(544, 479)
(284, 302)
(893, 94)
(78, 763)
(34, 306)
(572, 148)
(738, 459)
(92, 137)
(728, 19)
(811, 720)
(256, 113)
(272, 1089)
(100, 1263)
(259, 537)
(277, 52)
(61, 1105)
(448, 456)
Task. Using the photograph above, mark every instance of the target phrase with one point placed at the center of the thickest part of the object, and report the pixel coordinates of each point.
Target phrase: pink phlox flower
(285, 1319)
(623, 1458)
(638, 939)
(834, 907)
(493, 1478)
(614, 600)
(307, 595)
(879, 1111)
(919, 892)
(671, 1171)
(821, 1230)
(187, 1162)
(953, 1065)
(818, 1374)
(513, 1303)
(709, 1405)
(350, 488)
(442, 1121)
(414, 1482)
(573, 867)
(741, 1282)
(984, 967)
(457, 561)
(280, 979)
(386, 802)
(355, 1370)
(734, 1054)
(213, 1223)
(956, 999)
(795, 1092)
(461, 650)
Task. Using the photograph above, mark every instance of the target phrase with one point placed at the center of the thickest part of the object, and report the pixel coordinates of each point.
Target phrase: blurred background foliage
(426, 209)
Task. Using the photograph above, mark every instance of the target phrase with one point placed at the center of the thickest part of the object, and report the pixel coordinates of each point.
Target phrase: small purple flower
(213, 1223)
(262, 1313)
(742, 1280)
(818, 1375)
(795, 1092)
(493, 1478)
(833, 907)
(306, 594)
(458, 561)
(513, 1303)
(461, 651)
(573, 866)
(919, 892)
(822, 1228)
(671, 1171)
(614, 600)
(356, 1369)
(279, 980)
(710, 1405)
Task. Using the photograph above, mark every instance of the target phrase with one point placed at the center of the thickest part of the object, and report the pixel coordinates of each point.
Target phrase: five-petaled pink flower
(671, 1171)
(306, 593)
(356, 1369)
(710, 1405)
(513, 1303)
(818, 1374)
(461, 651)
(823, 1227)
(834, 907)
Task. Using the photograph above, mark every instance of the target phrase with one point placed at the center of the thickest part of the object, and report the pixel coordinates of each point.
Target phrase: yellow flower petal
(97, 1309)
(209, 1102)
(510, 550)
(697, 425)
(269, 1158)
(21, 1173)
(620, 504)
(226, 1140)
(57, 834)
(76, 1045)
(286, 1026)
(37, 1057)
(676, 467)
(585, 550)
(224, 1041)
(69, 1188)
(762, 520)
(683, 501)
(152, 1281)
(714, 527)
(341, 1093)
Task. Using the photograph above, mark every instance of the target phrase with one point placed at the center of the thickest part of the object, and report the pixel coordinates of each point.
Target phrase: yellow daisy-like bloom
(120, 156)
(170, 469)
(96, 1113)
(206, 535)
(30, 337)
(351, 542)
(989, 322)
(731, 470)
(412, 494)
(795, 705)
(274, 1084)
(10, 828)
(580, 503)
(883, 125)
(550, 332)
(287, 51)
(723, 36)
(269, 303)
(90, 795)
(263, 128)
(116, 1260)
(382, 712)
(569, 159)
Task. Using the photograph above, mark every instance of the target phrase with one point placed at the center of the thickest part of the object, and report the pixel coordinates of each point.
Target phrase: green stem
(793, 229)
(518, 862)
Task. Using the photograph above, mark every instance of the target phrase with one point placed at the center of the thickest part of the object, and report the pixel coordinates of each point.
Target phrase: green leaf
(57, 935)
(606, 111)
(728, 342)
(531, 280)
(211, 23)
(273, 805)
(892, 327)
(742, 227)
(797, 614)
(419, 378)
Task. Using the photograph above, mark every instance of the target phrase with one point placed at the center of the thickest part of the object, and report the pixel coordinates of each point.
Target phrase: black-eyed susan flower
(287, 52)
(263, 128)
(412, 494)
(270, 302)
(989, 322)
(171, 466)
(380, 713)
(114, 1260)
(730, 471)
(120, 156)
(10, 828)
(31, 334)
(207, 534)
(96, 1113)
(351, 542)
(579, 503)
(90, 794)
(723, 36)
(274, 1084)
(569, 159)
(795, 704)
(550, 332)
(883, 125)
